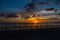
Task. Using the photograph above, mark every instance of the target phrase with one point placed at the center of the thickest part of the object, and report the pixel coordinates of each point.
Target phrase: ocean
(30, 31)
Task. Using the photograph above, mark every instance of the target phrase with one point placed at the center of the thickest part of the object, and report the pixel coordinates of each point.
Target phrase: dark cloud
(34, 3)
(59, 14)
(30, 6)
(2, 14)
(12, 15)
(51, 9)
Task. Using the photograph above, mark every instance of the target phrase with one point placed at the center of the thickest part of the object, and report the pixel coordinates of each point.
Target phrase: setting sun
(32, 20)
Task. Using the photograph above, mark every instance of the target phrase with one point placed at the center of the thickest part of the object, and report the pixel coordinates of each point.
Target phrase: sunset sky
(18, 5)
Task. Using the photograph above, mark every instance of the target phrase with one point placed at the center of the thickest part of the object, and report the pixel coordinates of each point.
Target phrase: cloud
(48, 10)
(12, 15)
(32, 6)
(2, 14)
(44, 11)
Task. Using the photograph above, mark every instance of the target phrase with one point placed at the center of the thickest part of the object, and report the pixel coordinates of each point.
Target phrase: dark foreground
(41, 34)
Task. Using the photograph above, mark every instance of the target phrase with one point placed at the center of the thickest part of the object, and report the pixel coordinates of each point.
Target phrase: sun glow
(33, 20)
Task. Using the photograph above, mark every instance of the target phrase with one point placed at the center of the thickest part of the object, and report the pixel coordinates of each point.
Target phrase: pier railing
(27, 26)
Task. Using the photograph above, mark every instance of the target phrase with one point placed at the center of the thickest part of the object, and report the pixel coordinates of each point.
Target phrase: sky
(18, 5)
